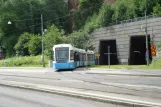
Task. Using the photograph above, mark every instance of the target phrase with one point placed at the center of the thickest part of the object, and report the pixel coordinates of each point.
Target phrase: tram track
(100, 83)
(92, 81)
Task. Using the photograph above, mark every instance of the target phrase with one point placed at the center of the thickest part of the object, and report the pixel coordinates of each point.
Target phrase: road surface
(14, 97)
(147, 87)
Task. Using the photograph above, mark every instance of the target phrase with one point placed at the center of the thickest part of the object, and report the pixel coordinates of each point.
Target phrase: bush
(52, 37)
(21, 46)
(23, 61)
(34, 45)
(28, 44)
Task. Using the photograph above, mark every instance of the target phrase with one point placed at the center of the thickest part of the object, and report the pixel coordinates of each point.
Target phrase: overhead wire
(56, 18)
(42, 8)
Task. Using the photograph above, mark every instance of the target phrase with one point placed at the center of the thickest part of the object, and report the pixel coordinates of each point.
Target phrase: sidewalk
(128, 100)
(129, 72)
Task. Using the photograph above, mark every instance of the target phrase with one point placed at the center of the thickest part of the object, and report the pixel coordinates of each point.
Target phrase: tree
(21, 46)
(123, 10)
(85, 10)
(25, 17)
(34, 45)
(52, 37)
(157, 10)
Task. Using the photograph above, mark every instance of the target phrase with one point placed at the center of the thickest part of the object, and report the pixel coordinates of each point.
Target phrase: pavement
(129, 72)
(128, 100)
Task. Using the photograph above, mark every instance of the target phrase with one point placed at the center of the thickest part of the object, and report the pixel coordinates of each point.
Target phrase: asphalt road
(148, 87)
(14, 97)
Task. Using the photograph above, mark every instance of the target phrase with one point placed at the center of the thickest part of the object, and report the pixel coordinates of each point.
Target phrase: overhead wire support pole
(109, 56)
(147, 47)
(42, 38)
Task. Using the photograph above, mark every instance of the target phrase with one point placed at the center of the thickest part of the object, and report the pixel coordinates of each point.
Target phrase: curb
(77, 94)
(141, 75)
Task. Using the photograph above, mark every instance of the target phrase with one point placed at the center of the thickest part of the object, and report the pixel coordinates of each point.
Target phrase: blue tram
(65, 56)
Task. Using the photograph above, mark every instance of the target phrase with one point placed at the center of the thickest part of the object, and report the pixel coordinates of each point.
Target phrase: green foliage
(105, 15)
(25, 17)
(34, 45)
(123, 9)
(9, 42)
(90, 15)
(85, 10)
(157, 10)
(142, 5)
(28, 44)
(79, 39)
(26, 61)
(52, 37)
(22, 45)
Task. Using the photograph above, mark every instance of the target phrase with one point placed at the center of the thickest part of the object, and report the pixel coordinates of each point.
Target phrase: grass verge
(27, 61)
(154, 65)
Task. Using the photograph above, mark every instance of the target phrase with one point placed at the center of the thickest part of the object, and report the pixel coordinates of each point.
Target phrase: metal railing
(133, 20)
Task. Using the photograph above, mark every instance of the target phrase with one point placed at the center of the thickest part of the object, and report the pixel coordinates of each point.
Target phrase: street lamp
(42, 38)
(65, 1)
(9, 22)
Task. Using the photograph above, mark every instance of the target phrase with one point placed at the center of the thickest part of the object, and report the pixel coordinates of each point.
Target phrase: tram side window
(75, 56)
(71, 55)
(90, 57)
(84, 57)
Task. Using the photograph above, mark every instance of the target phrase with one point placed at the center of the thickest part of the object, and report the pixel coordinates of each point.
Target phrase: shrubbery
(23, 61)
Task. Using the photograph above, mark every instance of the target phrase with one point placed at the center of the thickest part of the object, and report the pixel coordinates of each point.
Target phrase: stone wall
(122, 33)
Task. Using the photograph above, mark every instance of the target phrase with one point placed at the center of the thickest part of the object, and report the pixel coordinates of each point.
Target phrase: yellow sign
(98, 55)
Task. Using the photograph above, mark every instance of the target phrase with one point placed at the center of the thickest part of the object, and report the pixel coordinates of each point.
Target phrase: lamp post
(42, 38)
(147, 47)
(0, 52)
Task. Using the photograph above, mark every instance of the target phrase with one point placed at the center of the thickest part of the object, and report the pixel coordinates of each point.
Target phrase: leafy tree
(52, 37)
(8, 45)
(21, 46)
(34, 45)
(85, 10)
(123, 9)
(157, 10)
(142, 5)
(105, 14)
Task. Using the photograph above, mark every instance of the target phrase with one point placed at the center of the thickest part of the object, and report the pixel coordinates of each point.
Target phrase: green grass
(27, 61)
(153, 65)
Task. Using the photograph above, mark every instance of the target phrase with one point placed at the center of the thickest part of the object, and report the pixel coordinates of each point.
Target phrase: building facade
(127, 41)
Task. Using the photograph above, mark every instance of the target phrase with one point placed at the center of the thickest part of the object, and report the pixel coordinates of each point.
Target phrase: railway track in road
(116, 85)
(91, 80)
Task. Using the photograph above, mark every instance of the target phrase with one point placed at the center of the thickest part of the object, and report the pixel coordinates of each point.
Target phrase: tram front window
(62, 54)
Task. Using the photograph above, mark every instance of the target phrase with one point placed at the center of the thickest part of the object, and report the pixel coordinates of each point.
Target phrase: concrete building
(126, 40)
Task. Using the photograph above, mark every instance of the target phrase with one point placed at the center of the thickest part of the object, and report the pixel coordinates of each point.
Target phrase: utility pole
(147, 47)
(108, 53)
(42, 38)
(86, 57)
(109, 56)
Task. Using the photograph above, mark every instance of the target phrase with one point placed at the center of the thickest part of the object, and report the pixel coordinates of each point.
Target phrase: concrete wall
(123, 32)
